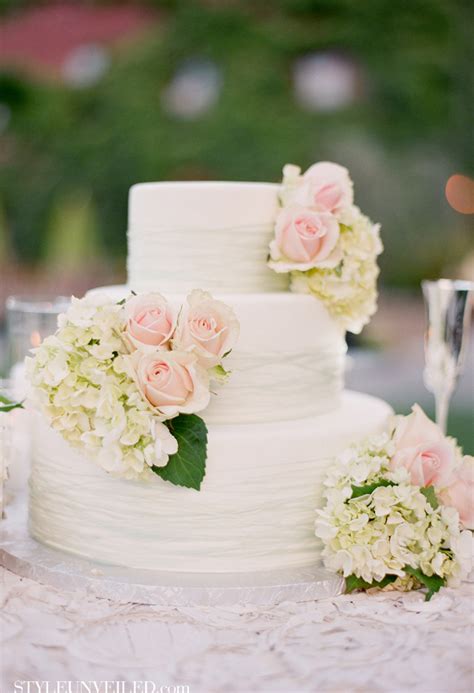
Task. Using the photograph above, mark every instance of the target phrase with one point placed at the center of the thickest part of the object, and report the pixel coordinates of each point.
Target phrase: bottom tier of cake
(255, 510)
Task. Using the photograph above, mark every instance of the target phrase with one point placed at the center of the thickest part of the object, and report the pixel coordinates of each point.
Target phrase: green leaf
(219, 373)
(432, 582)
(368, 488)
(430, 495)
(7, 405)
(338, 269)
(122, 302)
(188, 466)
(356, 583)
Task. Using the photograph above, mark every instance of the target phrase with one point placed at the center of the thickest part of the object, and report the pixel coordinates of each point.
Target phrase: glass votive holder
(29, 321)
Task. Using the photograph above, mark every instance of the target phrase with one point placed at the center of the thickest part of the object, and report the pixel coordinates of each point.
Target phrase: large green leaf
(356, 583)
(188, 466)
(432, 582)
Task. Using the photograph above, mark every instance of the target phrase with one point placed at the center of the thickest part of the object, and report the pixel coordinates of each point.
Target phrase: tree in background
(406, 129)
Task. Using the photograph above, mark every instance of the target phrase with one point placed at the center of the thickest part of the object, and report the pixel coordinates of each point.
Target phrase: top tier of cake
(213, 235)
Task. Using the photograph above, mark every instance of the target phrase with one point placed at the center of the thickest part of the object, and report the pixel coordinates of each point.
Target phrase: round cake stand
(23, 555)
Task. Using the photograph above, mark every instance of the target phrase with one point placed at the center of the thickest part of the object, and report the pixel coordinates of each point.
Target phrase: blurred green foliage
(401, 141)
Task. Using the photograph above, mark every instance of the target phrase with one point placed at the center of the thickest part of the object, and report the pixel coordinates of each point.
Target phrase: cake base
(26, 557)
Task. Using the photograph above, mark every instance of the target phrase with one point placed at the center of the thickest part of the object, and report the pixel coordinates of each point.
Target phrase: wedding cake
(278, 419)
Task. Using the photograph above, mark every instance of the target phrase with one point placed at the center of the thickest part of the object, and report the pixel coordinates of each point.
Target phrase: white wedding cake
(273, 427)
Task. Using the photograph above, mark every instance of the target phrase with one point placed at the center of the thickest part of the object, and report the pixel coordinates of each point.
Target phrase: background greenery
(70, 155)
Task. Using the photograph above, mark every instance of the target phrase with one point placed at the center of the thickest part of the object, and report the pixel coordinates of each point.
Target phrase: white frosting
(277, 386)
(287, 364)
(210, 235)
(255, 510)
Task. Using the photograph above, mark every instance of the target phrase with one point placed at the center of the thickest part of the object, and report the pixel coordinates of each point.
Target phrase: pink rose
(207, 327)
(423, 450)
(325, 186)
(150, 321)
(460, 493)
(172, 382)
(304, 239)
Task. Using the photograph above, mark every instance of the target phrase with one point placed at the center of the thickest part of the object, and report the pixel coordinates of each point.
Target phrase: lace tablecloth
(388, 642)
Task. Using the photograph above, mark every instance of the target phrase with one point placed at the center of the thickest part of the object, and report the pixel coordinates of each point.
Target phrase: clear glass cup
(29, 320)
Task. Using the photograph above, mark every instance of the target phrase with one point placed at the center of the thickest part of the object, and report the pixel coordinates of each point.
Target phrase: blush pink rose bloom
(304, 238)
(150, 321)
(423, 450)
(325, 186)
(207, 327)
(460, 493)
(172, 382)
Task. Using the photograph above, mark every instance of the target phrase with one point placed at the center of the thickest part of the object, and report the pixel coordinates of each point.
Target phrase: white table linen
(384, 642)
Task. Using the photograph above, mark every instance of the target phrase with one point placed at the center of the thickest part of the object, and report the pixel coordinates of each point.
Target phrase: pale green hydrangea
(82, 384)
(349, 291)
(376, 523)
(346, 279)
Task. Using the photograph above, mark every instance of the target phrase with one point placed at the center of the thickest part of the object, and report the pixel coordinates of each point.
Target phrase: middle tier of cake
(288, 363)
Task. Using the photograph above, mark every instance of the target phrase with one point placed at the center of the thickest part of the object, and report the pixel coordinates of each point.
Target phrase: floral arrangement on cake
(124, 381)
(326, 244)
(399, 508)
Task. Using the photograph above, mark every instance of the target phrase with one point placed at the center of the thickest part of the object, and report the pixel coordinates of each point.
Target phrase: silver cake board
(25, 556)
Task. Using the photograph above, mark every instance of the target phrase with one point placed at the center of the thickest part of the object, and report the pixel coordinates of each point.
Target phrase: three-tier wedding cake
(282, 414)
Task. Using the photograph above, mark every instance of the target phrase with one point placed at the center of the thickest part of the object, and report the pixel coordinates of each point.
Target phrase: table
(380, 642)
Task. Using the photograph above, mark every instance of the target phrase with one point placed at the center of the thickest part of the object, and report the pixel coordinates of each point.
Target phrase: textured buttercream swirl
(279, 386)
(255, 510)
(224, 259)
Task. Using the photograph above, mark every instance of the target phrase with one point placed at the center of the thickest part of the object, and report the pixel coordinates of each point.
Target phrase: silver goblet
(448, 312)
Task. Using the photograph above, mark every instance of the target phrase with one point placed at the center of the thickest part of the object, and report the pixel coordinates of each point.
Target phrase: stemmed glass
(448, 311)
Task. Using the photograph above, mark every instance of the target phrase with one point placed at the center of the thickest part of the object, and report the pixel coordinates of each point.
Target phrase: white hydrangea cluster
(359, 465)
(377, 524)
(80, 378)
(349, 291)
(326, 244)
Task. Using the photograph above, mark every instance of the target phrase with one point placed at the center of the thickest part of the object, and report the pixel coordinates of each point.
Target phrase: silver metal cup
(448, 312)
